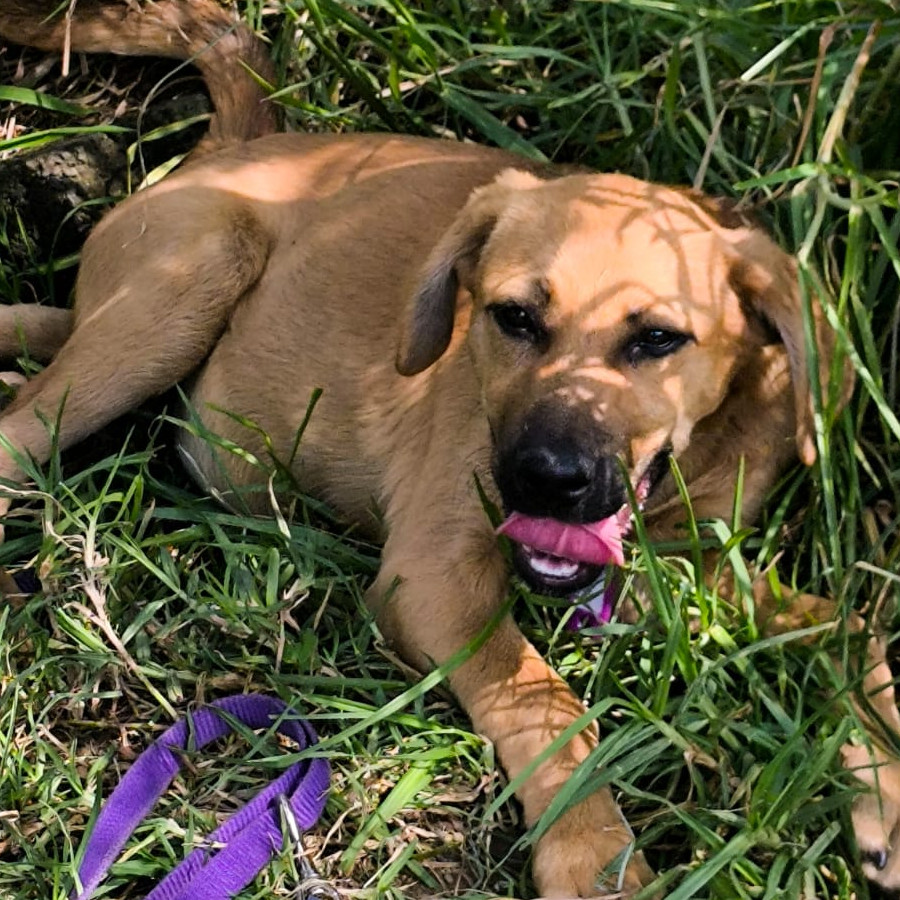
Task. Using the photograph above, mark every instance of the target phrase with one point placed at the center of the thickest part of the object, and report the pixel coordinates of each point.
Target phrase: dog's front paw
(876, 813)
(589, 852)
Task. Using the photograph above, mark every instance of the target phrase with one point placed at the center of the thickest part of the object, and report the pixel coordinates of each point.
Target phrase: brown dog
(552, 330)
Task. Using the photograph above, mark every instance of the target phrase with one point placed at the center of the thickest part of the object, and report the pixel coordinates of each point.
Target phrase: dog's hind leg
(33, 330)
(158, 281)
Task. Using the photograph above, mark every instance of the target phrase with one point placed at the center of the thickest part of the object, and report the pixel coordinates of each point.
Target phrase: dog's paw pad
(878, 859)
(27, 581)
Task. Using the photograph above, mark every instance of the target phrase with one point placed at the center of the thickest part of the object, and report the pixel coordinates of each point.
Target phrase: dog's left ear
(766, 280)
(428, 320)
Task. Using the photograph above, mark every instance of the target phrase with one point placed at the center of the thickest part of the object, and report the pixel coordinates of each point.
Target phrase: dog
(478, 323)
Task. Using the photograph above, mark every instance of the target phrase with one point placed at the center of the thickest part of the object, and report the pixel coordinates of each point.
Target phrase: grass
(722, 746)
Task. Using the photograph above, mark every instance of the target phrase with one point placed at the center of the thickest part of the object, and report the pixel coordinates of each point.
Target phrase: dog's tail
(197, 30)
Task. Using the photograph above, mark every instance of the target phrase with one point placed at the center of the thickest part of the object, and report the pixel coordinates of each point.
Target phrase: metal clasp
(311, 886)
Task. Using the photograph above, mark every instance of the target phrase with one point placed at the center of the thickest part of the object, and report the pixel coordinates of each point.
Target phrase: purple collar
(596, 604)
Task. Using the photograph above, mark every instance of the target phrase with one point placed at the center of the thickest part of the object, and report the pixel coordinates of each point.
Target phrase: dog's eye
(654, 343)
(517, 322)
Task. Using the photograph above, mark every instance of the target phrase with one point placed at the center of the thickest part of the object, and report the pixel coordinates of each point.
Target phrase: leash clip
(312, 886)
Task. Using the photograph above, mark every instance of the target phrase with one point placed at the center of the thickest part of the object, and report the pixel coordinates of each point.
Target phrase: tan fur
(294, 262)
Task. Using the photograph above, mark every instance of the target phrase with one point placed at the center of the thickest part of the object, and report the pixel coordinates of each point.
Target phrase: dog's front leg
(522, 705)
(876, 813)
(431, 607)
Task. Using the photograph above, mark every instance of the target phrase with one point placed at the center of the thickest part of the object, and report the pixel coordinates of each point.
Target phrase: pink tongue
(597, 543)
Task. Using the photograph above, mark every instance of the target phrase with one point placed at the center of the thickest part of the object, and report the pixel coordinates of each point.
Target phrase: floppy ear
(430, 312)
(766, 280)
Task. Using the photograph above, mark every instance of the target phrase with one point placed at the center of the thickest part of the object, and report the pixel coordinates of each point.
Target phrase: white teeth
(551, 566)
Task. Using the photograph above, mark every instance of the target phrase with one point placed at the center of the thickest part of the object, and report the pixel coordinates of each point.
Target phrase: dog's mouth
(568, 559)
(561, 559)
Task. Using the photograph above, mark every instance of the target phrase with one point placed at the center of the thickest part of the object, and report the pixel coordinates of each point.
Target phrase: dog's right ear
(430, 313)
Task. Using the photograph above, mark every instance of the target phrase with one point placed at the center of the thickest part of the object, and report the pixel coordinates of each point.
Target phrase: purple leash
(247, 841)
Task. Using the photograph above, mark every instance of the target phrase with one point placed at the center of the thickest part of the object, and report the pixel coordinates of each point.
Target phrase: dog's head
(607, 317)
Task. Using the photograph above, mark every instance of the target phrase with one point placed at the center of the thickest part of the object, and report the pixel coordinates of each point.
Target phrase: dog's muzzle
(568, 511)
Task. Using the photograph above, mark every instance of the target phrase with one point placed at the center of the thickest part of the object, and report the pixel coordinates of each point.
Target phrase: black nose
(556, 473)
(557, 477)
